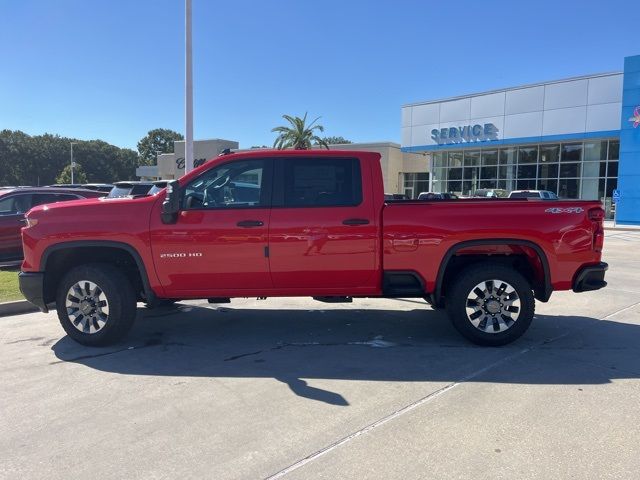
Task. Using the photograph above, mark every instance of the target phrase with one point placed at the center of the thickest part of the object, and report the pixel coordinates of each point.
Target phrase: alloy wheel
(87, 306)
(493, 306)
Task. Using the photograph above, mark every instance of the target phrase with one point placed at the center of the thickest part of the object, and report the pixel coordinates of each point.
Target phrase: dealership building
(577, 137)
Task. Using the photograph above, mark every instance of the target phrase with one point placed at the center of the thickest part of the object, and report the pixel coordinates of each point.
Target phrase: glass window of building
(550, 184)
(527, 170)
(489, 169)
(455, 174)
(569, 170)
(549, 153)
(569, 188)
(592, 189)
(614, 149)
(455, 159)
(489, 157)
(526, 184)
(415, 183)
(548, 170)
(507, 165)
(440, 159)
(586, 169)
(528, 155)
(594, 169)
(595, 151)
(472, 158)
(571, 152)
(455, 187)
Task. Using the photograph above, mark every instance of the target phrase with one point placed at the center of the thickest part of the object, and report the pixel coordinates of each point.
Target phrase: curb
(622, 229)
(16, 308)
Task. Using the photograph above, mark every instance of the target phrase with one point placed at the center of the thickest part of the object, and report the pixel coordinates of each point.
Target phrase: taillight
(596, 215)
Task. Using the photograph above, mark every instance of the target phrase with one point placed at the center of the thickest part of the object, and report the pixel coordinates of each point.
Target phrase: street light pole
(72, 144)
(188, 100)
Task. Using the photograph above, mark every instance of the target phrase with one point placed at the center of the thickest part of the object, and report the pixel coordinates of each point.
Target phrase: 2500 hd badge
(181, 255)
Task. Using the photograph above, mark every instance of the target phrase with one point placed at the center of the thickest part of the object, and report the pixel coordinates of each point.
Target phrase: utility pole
(188, 94)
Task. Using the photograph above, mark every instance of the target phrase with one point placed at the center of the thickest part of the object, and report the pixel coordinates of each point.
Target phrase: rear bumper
(32, 287)
(590, 278)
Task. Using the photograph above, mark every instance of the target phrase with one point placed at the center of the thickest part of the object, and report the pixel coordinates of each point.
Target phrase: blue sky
(113, 69)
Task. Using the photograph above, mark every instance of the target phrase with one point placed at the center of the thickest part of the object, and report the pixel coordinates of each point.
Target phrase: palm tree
(298, 136)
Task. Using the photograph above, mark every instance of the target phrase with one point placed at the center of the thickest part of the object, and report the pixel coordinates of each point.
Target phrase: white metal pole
(188, 94)
(72, 162)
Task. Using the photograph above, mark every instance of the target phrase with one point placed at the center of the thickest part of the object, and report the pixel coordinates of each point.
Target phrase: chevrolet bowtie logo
(636, 117)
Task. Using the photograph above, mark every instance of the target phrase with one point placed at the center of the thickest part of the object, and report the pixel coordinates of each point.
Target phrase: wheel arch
(542, 291)
(112, 252)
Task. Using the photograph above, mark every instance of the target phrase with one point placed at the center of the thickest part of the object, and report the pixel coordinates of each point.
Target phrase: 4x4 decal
(565, 210)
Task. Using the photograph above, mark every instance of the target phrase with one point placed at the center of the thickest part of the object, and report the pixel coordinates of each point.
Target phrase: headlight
(31, 222)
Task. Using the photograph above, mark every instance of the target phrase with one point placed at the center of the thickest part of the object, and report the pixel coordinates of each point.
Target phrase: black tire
(119, 294)
(463, 286)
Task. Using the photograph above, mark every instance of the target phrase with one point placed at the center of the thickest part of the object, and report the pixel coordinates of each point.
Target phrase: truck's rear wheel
(96, 304)
(490, 304)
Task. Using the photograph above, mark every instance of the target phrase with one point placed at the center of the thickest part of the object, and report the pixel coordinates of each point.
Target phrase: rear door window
(318, 182)
(15, 204)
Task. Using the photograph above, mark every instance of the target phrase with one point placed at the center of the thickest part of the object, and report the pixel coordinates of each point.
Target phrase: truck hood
(86, 205)
(93, 218)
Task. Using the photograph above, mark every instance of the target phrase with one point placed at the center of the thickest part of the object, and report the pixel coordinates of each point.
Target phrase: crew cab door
(323, 236)
(219, 242)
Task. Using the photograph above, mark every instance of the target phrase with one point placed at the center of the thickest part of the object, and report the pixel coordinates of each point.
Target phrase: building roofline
(506, 89)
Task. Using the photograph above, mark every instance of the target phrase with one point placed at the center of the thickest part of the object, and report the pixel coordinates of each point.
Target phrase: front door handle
(250, 223)
(355, 221)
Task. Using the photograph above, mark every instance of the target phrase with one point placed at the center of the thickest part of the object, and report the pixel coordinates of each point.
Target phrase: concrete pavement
(293, 388)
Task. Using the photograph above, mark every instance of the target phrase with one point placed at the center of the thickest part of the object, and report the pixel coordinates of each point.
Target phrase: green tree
(298, 135)
(78, 175)
(157, 140)
(39, 159)
(336, 140)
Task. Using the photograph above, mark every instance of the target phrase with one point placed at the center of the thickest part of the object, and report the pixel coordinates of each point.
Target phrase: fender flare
(148, 291)
(542, 294)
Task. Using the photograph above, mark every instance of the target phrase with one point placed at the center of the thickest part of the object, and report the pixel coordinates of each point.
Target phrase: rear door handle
(250, 223)
(355, 221)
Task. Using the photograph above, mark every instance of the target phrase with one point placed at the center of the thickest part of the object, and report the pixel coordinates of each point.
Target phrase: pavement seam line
(620, 311)
(412, 406)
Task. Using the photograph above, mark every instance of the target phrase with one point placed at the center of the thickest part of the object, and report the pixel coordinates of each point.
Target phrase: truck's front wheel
(96, 304)
(490, 304)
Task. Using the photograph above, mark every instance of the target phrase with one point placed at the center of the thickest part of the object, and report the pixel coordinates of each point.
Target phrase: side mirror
(171, 204)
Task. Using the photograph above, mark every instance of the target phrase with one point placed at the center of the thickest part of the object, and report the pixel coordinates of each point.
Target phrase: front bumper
(590, 278)
(32, 287)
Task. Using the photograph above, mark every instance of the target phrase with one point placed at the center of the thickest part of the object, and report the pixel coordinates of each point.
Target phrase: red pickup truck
(306, 223)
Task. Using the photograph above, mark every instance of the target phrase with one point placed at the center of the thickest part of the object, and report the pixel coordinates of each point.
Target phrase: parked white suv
(543, 194)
